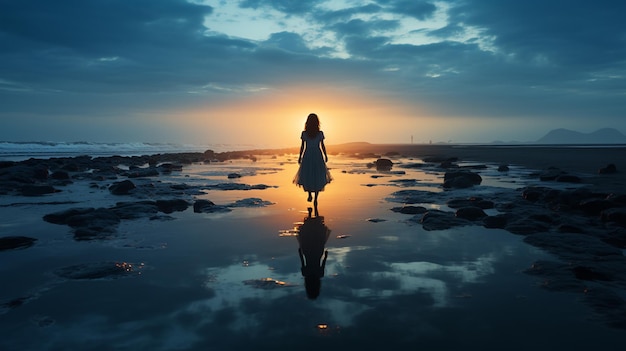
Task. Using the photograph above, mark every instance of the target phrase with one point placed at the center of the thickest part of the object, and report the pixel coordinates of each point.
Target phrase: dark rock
(100, 270)
(170, 167)
(569, 228)
(461, 179)
(250, 202)
(568, 178)
(616, 215)
(412, 196)
(609, 169)
(595, 206)
(143, 173)
(472, 201)
(590, 273)
(237, 186)
(16, 242)
(470, 213)
(122, 188)
(439, 159)
(497, 221)
(503, 168)
(98, 219)
(413, 210)
(533, 194)
(60, 175)
(37, 190)
(134, 210)
(169, 206)
(526, 227)
(383, 164)
(207, 206)
(439, 220)
(550, 173)
(61, 217)
(234, 175)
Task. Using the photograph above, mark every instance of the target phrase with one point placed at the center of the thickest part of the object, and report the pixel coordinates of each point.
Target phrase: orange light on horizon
(276, 117)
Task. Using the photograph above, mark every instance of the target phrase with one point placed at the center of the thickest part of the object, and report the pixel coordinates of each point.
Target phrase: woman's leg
(310, 197)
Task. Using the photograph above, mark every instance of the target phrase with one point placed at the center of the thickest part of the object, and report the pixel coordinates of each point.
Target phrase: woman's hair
(312, 125)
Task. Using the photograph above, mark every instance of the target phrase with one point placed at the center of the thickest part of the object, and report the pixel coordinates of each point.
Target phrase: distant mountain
(600, 136)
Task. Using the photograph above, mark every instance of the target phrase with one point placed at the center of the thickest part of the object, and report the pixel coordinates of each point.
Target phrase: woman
(313, 175)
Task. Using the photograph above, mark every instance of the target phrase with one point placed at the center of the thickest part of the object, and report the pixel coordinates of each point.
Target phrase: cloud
(498, 59)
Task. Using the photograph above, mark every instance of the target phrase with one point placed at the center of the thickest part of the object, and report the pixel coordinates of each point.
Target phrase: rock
(99, 270)
(170, 167)
(568, 178)
(595, 206)
(16, 242)
(207, 206)
(412, 196)
(503, 168)
(590, 273)
(497, 221)
(461, 179)
(470, 213)
(122, 188)
(37, 190)
(609, 169)
(60, 175)
(251, 202)
(234, 175)
(383, 164)
(88, 223)
(439, 220)
(142, 173)
(410, 210)
(134, 210)
(472, 201)
(550, 173)
(615, 215)
(169, 206)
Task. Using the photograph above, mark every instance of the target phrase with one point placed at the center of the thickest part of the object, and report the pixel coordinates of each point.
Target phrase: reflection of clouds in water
(241, 281)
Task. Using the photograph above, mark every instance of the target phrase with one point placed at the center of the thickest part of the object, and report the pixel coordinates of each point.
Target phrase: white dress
(313, 175)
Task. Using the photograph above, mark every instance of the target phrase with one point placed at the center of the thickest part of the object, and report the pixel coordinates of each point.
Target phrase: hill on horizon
(566, 136)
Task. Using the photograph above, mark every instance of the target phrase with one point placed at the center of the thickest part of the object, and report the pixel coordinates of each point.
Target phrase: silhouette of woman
(312, 175)
(312, 237)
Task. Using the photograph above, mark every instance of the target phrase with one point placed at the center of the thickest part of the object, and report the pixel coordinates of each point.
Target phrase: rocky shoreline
(578, 217)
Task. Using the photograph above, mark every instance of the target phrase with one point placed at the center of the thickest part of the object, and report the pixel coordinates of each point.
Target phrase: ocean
(18, 151)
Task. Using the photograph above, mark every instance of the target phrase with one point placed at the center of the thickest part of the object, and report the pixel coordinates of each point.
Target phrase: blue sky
(250, 71)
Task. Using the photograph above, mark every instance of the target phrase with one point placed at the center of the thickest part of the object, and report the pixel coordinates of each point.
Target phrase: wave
(21, 150)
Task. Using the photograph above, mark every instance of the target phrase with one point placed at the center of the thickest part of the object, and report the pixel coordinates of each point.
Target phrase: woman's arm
(301, 149)
(324, 150)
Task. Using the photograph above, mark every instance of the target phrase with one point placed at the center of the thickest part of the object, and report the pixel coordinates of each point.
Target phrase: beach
(453, 246)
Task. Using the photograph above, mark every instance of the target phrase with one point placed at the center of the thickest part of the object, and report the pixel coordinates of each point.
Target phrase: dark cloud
(491, 58)
(421, 10)
(286, 6)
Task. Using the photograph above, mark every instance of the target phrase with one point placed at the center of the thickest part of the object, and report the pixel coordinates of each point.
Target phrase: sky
(250, 71)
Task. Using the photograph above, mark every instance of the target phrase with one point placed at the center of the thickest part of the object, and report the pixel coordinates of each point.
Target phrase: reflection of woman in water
(312, 237)
(313, 175)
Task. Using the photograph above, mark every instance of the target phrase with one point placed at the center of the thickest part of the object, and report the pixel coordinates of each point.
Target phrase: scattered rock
(122, 188)
(461, 179)
(383, 164)
(16, 242)
(99, 270)
(470, 213)
(413, 210)
(609, 169)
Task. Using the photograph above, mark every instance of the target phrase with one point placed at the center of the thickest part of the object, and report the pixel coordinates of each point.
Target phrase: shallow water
(232, 280)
